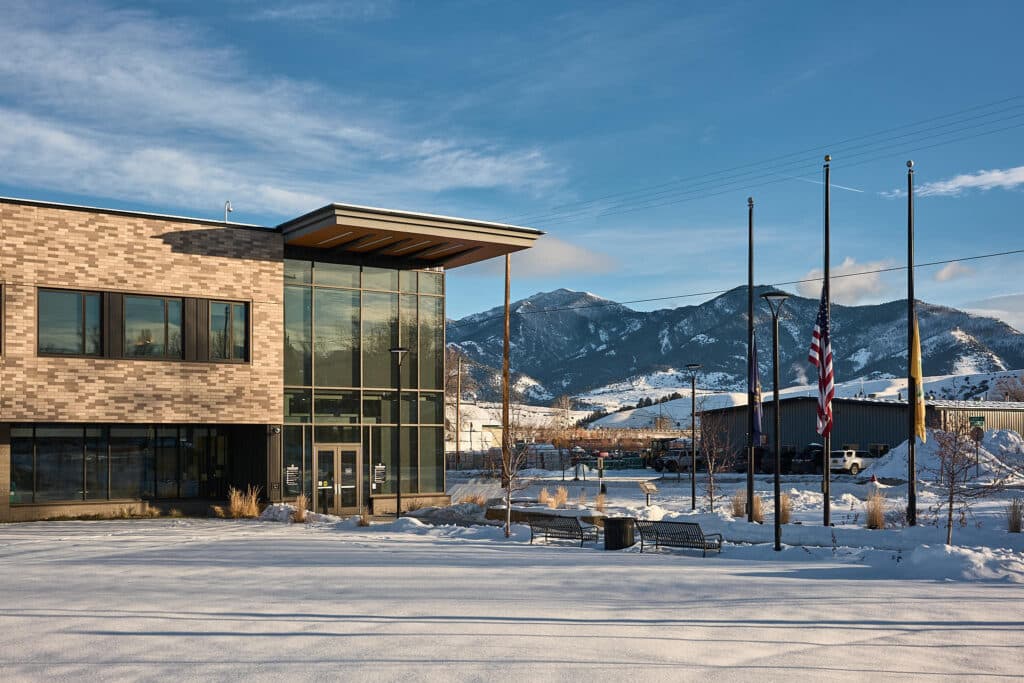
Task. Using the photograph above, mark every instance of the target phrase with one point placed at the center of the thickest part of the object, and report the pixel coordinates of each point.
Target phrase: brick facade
(46, 246)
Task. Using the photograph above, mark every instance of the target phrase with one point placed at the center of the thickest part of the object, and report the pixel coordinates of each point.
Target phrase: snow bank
(969, 564)
(893, 465)
(283, 512)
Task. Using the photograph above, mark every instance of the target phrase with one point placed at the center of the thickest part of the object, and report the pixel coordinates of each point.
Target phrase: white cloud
(550, 258)
(1009, 308)
(337, 10)
(852, 289)
(119, 103)
(1006, 179)
(952, 271)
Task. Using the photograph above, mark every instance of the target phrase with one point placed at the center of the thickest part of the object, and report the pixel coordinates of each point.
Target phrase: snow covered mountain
(571, 342)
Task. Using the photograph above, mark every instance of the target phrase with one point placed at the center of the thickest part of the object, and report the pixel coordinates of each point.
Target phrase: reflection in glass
(21, 465)
(379, 407)
(407, 280)
(166, 462)
(410, 477)
(431, 283)
(336, 275)
(59, 453)
(297, 272)
(297, 405)
(409, 338)
(239, 330)
(380, 335)
(69, 323)
(431, 342)
(298, 334)
(96, 467)
(220, 330)
(291, 462)
(152, 327)
(337, 338)
(431, 460)
(131, 462)
(336, 406)
(336, 434)
(380, 278)
(431, 408)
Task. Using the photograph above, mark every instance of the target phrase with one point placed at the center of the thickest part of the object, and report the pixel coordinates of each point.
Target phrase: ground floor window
(51, 462)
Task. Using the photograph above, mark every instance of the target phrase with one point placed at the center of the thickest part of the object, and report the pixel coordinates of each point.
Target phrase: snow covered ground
(189, 599)
(954, 387)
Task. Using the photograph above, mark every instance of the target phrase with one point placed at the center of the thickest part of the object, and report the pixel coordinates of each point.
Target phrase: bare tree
(1011, 388)
(956, 452)
(716, 448)
(511, 480)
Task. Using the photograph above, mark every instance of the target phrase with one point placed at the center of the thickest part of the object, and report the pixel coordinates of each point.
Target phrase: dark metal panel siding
(202, 328)
(113, 328)
(191, 319)
(274, 463)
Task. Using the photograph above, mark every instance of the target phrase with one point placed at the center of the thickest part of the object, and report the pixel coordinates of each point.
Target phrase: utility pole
(458, 411)
(751, 371)
(911, 380)
(506, 436)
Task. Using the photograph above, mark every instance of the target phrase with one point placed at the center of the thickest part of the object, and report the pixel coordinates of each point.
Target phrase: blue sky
(548, 114)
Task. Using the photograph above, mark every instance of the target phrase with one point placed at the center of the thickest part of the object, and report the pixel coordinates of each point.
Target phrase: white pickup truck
(852, 462)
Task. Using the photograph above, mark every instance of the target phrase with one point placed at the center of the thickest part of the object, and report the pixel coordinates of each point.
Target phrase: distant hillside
(567, 342)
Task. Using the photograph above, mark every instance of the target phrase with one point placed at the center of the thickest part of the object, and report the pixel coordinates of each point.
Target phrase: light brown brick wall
(61, 247)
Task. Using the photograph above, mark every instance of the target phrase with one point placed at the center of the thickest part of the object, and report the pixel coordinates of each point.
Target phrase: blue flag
(754, 385)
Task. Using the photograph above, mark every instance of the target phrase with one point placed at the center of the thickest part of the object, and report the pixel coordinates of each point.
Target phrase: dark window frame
(247, 350)
(165, 300)
(82, 294)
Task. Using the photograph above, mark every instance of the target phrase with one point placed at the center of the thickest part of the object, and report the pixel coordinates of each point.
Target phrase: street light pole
(775, 301)
(693, 368)
(399, 354)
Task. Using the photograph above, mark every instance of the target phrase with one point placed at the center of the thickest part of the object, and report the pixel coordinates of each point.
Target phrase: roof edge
(128, 212)
(400, 213)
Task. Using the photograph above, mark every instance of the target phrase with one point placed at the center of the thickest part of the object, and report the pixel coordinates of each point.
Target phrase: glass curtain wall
(53, 462)
(341, 322)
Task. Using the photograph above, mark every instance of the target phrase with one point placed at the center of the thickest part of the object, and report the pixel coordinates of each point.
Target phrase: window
(152, 327)
(229, 331)
(69, 323)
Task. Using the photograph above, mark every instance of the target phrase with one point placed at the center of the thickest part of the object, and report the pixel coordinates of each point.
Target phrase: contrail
(818, 182)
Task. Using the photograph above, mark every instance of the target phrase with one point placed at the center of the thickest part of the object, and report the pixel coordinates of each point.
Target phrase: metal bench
(677, 534)
(567, 528)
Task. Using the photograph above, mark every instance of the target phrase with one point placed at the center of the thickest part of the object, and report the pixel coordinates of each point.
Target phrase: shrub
(244, 504)
(599, 502)
(301, 503)
(364, 517)
(561, 496)
(175, 513)
(785, 508)
(758, 511)
(876, 510)
(1014, 513)
(414, 505)
(739, 503)
(476, 499)
(544, 498)
(218, 511)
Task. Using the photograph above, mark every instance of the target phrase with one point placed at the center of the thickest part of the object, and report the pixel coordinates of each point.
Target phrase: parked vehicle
(677, 460)
(851, 462)
(808, 460)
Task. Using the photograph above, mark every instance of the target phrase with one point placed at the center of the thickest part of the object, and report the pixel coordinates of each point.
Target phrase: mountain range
(568, 342)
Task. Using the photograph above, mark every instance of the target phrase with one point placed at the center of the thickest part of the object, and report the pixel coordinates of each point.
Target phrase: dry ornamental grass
(599, 502)
(876, 510)
(758, 511)
(244, 504)
(561, 496)
(785, 508)
(544, 498)
(476, 499)
(739, 503)
(301, 503)
(1014, 514)
(364, 518)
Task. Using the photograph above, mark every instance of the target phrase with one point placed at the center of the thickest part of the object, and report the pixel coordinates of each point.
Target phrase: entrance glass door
(338, 480)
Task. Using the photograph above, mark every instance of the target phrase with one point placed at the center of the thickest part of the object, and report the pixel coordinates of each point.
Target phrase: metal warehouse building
(862, 422)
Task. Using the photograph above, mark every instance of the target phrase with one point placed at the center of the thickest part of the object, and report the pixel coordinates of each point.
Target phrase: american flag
(821, 358)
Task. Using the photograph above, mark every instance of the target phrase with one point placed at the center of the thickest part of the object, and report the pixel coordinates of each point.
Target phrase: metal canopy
(416, 238)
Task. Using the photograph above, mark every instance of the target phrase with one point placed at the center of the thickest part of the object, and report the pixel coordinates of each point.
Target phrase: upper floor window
(152, 327)
(229, 331)
(70, 323)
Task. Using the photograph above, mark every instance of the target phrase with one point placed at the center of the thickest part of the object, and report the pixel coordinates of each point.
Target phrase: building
(155, 361)
(861, 423)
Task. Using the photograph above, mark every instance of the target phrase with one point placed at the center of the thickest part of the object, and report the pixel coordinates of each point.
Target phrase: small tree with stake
(956, 463)
(717, 449)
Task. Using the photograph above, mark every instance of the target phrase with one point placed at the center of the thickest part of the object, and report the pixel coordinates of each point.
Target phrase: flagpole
(911, 380)
(751, 371)
(827, 441)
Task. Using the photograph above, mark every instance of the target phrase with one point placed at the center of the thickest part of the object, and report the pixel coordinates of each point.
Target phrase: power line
(690, 295)
(639, 198)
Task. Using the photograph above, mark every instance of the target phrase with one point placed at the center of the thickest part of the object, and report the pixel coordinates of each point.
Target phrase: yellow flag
(915, 372)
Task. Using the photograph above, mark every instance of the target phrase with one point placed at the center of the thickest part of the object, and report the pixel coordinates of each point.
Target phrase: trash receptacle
(618, 533)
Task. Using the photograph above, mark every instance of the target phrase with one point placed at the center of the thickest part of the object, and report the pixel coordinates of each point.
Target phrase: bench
(568, 528)
(677, 534)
